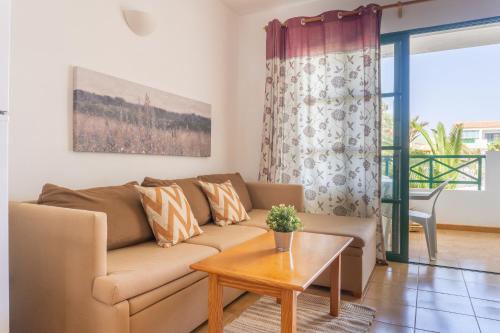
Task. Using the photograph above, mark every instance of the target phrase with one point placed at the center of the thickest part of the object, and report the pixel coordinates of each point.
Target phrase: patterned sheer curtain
(322, 112)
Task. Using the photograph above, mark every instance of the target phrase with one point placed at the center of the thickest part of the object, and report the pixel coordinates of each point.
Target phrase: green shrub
(283, 219)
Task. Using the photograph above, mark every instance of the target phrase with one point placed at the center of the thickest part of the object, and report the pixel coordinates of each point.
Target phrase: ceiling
(244, 7)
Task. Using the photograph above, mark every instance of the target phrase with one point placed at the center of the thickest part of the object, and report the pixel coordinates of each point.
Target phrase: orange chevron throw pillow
(225, 203)
(169, 214)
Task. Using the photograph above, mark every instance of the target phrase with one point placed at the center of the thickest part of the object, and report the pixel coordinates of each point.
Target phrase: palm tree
(415, 127)
(440, 143)
(494, 146)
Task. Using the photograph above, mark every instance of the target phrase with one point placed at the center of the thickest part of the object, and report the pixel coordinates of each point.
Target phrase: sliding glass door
(395, 134)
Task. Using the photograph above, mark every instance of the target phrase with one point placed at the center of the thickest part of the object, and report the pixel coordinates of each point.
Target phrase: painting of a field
(112, 115)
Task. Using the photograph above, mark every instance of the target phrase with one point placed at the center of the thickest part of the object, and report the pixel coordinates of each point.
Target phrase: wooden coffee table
(257, 267)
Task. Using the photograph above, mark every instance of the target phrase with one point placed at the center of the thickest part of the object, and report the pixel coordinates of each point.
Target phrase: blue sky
(453, 86)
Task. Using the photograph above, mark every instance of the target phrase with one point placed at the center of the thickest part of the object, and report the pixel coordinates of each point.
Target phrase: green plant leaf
(283, 218)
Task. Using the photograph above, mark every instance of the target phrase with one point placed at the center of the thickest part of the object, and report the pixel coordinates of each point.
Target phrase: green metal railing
(431, 170)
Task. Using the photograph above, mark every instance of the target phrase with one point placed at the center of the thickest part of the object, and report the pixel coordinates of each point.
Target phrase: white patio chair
(428, 221)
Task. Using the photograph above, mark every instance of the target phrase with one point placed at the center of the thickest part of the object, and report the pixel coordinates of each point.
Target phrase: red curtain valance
(334, 33)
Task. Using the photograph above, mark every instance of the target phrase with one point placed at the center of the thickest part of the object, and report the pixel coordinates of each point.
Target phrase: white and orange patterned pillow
(225, 203)
(169, 214)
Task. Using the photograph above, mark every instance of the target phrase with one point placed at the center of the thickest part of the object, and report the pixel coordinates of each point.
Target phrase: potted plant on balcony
(284, 222)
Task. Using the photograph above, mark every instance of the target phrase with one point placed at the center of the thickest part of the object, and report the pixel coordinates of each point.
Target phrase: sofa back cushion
(225, 203)
(192, 190)
(127, 222)
(169, 214)
(238, 183)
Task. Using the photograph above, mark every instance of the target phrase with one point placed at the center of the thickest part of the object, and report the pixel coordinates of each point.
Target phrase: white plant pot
(283, 240)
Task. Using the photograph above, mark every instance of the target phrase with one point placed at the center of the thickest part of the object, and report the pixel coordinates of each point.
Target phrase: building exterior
(479, 134)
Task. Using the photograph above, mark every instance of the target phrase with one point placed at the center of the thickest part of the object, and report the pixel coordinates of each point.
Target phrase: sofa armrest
(55, 255)
(266, 195)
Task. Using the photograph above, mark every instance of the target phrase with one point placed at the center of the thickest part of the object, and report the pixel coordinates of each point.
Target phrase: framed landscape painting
(112, 115)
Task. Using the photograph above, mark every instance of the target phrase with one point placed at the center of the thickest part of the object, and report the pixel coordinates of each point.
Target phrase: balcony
(464, 172)
(468, 211)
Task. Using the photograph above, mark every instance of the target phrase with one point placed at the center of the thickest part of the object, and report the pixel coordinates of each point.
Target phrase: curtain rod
(399, 5)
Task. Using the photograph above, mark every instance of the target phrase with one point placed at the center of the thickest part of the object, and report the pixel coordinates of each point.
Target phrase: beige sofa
(63, 278)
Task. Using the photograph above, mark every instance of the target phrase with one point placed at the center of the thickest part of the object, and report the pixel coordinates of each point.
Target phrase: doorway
(431, 79)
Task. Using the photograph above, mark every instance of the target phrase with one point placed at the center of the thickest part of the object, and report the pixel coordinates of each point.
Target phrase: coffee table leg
(215, 308)
(335, 287)
(288, 311)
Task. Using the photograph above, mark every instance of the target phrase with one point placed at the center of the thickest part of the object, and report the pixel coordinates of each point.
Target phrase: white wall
(251, 56)
(191, 53)
(4, 225)
(4, 52)
(472, 208)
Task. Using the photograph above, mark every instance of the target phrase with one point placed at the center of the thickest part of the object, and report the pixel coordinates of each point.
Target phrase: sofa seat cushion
(222, 238)
(362, 230)
(141, 268)
(139, 303)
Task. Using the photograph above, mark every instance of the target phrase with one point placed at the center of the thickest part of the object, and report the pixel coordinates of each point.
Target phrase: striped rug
(264, 316)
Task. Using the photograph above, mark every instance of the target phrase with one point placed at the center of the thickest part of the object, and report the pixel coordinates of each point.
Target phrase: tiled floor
(419, 298)
(462, 249)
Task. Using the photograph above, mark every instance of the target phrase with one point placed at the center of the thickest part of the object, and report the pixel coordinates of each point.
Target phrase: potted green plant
(284, 222)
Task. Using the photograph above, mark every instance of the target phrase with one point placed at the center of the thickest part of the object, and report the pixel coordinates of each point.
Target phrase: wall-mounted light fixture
(141, 23)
